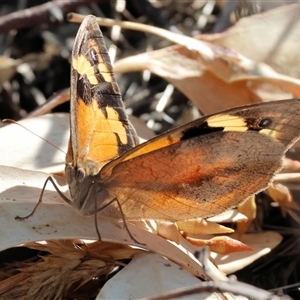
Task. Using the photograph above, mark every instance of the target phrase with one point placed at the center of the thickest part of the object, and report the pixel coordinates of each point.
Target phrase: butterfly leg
(125, 223)
(122, 215)
(96, 220)
(41, 198)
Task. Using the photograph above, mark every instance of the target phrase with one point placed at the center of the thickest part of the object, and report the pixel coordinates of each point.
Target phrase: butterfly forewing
(100, 129)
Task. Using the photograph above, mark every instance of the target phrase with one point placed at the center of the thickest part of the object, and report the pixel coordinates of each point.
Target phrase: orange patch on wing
(98, 135)
(147, 147)
(150, 146)
(84, 120)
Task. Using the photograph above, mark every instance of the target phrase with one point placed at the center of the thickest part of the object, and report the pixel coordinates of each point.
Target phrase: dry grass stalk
(67, 267)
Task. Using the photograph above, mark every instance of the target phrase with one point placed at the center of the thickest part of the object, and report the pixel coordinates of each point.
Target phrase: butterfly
(194, 171)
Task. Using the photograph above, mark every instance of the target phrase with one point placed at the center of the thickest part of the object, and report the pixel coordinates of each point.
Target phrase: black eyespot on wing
(257, 125)
(199, 130)
(94, 56)
(265, 123)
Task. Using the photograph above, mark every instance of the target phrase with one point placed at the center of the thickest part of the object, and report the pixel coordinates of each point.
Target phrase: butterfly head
(84, 190)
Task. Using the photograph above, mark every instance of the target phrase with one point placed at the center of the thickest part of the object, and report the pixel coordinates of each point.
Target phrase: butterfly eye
(264, 123)
(80, 174)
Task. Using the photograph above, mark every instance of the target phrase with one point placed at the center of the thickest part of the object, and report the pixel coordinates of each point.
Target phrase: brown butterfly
(197, 170)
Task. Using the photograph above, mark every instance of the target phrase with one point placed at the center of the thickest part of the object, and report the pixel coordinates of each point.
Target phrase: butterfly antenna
(15, 122)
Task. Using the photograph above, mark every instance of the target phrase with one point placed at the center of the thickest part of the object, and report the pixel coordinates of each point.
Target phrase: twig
(235, 287)
(145, 8)
(57, 99)
(46, 13)
(218, 286)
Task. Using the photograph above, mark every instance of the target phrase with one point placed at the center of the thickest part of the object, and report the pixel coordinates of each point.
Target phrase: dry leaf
(281, 194)
(152, 272)
(228, 216)
(286, 177)
(262, 243)
(271, 37)
(201, 226)
(248, 208)
(221, 244)
(290, 165)
(238, 79)
(38, 147)
(196, 67)
(186, 70)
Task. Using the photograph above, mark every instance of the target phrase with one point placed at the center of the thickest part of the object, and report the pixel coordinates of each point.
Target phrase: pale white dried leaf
(271, 37)
(286, 177)
(27, 150)
(150, 275)
(231, 215)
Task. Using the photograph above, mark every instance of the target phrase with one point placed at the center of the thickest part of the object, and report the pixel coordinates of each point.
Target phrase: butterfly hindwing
(213, 164)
